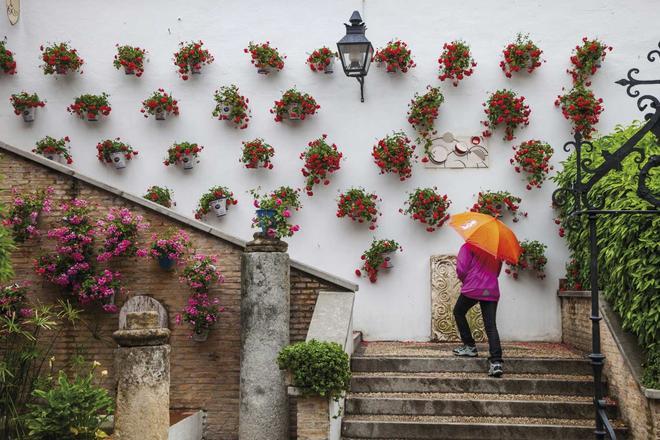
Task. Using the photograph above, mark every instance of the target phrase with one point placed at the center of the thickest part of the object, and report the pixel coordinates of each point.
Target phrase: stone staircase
(421, 391)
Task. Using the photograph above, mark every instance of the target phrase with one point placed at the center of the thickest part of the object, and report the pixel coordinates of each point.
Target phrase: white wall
(398, 306)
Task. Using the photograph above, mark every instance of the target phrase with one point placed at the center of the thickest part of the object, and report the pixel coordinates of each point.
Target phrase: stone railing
(319, 418)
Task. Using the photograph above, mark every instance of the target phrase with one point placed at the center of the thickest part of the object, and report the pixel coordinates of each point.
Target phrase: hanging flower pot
(129, 70)
(201, 336)
(217, 198)
(322, 60)
(161, 115)
(131, 59)
(59, 58)
(196, 69)
(387, 260)
(29, 114)
(378, 256)
(54, 157)
(294, 105)
(184, 154)
(90, 106)
(257, 154)
(61, 70)
(293, 113)
(188, 162)
(54, 149)
(118, 160)
(266, 58)
(26, 104)
(266, 219)
(220, 206)
(116, 152)
(160, 104)
(166, 263)
(190, 58)
(231, 106)
(92, 117)
(330, 67)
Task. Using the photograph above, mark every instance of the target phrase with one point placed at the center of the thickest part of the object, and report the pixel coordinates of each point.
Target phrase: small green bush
(318, 368)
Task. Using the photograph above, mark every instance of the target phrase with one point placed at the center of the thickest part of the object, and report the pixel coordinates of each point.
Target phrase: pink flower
(286, 213)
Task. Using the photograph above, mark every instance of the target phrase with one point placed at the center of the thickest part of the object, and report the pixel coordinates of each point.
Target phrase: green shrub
(318, 368)
(629, 245)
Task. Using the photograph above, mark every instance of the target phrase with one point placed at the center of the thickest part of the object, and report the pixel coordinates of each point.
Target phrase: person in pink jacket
(478, 271)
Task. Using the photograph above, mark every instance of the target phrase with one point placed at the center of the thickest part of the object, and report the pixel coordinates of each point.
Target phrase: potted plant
(274, 211)
(183, 153)
(59, 58)
(160, 104)
(218, 198)
(26, 104)
(533, 158)
(54, 149)
(321, 160)
(586, 60)
(90, 106)
(265, 58)
(201, 273)
(427, 207)
(24, 212)
(115, 151)
(120, 230)
(191, 57)
(7, 62)
(582, 108)
(423, 110)
(231, 106)
(161, 195)
(495, 203)
(395, 56)
(131, 59)
(170, 248)
(456, 62)
(522, 54)
(257, 154)
(505, 107)
(294, 105)
(395, 154)
(102, 289)
(322, 60)
(532, 257)
(359, 205)
(377, 257)
(201, 312)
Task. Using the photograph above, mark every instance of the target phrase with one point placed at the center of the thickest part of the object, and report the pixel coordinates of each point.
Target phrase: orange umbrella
(488, 234)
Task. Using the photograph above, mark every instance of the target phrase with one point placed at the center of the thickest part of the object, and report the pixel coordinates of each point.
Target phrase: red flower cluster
(504, 107)
(532, 257)
(320, 159)
(257, 153)
(294, 105)
(59, 58)
(90, 106)
(191, 57)
(25, 101)
(396, 56)
(456, 62)
(581, 107)
(586, 59)
(320, 58)
(176, 152)
(159, 102)
(264, 57)
(423, 109)
(428, 207)
(519, 55)
(533, 158)
(394, 154)
(375, 258)
(106, 148)
(7, 62)
(495, 203)
(359, 206)
(131, 59)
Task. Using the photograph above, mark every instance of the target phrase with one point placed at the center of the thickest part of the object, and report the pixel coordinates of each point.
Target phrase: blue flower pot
(165, 263)
(266, 219)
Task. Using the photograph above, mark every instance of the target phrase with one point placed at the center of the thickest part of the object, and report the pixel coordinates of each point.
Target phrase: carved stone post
(265, 290)
(142, 363)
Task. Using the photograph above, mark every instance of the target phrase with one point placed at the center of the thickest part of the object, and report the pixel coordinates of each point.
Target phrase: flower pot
(293, 113)
(266, 219)
(93, 118)
(330, 67)
(196, 70)
(224, 111)
(188, 162)
(119, 160)
(202, 336)
(161, 115)
(55, 157)
(387, 263)
(29, 114)
(220, 206)
(129, 71)
(264, 70)
(61, 70)
(165, 262)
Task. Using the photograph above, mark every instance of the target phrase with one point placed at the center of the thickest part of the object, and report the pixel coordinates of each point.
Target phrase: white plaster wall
(398, 306)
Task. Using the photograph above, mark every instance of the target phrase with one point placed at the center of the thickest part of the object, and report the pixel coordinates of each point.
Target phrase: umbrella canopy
(488, 234)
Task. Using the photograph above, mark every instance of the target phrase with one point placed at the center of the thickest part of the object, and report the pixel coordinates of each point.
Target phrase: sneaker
(495, 369)
(465, 351)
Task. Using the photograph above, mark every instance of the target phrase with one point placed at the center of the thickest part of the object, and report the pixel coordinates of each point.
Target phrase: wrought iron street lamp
(355, 51)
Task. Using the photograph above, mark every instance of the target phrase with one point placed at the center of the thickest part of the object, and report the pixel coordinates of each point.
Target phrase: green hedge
(629, 245)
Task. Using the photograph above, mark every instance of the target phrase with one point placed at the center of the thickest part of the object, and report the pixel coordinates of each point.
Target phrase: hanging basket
(29, 114)
(220, 206)
(161, 115)
(201, 336)
(330, 67)
(118, 160)
(387, 263)
(188, 162)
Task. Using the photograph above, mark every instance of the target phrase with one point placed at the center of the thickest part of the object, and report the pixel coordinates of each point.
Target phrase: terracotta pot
(29, 114)
(220, 206)
(119, 160)
(188, 162)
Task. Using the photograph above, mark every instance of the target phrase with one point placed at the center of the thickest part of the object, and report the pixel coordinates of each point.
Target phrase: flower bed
(294, 105)
(90, 106)
(161, 195)
(201, 273)
(321, 60)
(375, 258)
(54, 149)
(257, 154)
(505, 108)
(191, 57)
(60, 58)
(231, 106)
(495, 203)
(428, 207)
(7, 62)
(395, 56)
(395, 154)
(26, 104)
(423, 110)
(131, 59)
(265, 58)
(24, 213)
(582, 108)
(321, 159)
(522, 54)
(217, 195)
(114, 151)
(456, 62)
(359, 205)
(532, 258)
(274, 211)
(183, 153)
(533, 158)
(119, 230)
(586, 60)
(160, 104)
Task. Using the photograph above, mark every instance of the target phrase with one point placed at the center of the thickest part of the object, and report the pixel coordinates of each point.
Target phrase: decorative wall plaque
(445, 288)
(13, 10)
(451, 151)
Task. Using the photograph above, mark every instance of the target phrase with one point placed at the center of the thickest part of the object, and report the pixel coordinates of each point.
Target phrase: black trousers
(489, 312)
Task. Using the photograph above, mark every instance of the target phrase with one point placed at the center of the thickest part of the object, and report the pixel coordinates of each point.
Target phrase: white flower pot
(220, 207)
(129, 71)
(196, 70)
(161, 115)
(387, 264)
(54, 157)
(119, 160)
(291, 115)
(264, 70)
(29, 114)
(188, 162)
(330, 67)
(93, 118)
(61, 70)
(224, 111)
(201, 337)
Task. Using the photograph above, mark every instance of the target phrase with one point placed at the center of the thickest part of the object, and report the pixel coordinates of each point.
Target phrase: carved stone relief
(143, 303)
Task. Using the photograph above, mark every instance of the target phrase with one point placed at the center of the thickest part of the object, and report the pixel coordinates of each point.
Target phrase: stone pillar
(265, 290)
(142, 365)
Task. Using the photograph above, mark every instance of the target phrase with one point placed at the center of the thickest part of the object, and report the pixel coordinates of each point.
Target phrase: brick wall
(203, 375)
(636, 409)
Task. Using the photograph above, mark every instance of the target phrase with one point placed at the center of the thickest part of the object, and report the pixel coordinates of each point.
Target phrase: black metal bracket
(361, 81)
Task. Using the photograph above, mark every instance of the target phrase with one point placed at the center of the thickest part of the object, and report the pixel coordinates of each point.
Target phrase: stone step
(471, 383)
(471, 404)
(491, 428)
(435, 364)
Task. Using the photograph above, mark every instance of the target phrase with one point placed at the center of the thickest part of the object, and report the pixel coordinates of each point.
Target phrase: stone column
(142, 365)
(265, 290)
